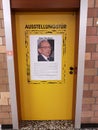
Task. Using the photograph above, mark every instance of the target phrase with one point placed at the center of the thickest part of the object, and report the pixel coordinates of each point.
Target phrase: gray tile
(49, 125)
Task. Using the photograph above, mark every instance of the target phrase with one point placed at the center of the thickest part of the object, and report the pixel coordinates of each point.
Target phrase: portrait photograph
(45, 49)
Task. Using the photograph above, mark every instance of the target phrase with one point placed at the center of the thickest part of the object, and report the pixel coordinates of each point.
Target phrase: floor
(50, 125)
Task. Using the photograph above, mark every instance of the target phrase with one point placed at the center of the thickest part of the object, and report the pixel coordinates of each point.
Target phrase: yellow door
(46, 98)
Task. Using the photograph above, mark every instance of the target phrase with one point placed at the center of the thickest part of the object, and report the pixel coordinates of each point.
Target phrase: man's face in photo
(45, 48)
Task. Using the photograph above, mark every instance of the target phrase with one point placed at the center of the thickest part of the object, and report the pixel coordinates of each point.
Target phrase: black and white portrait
(45, 49)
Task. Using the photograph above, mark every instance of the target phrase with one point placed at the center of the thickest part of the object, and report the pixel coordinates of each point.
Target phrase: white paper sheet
(45, 70)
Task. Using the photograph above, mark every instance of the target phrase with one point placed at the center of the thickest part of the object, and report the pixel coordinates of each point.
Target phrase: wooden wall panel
(45, 5)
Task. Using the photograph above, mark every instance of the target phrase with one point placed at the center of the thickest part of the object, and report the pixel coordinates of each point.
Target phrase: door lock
(72, 70)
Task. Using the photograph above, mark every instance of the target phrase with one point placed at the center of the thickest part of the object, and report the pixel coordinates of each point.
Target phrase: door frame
(11, 67)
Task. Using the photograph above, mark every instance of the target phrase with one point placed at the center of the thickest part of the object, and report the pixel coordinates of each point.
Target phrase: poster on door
(45, 52)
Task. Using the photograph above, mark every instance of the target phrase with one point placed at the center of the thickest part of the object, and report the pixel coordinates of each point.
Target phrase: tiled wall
(5, 108)
(90, 93)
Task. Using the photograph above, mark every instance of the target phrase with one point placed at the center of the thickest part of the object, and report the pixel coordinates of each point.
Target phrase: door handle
(72, 70)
